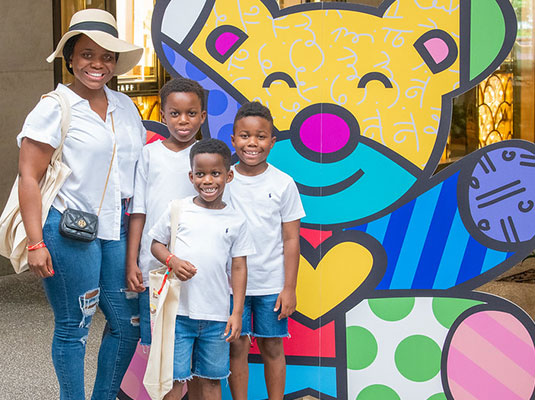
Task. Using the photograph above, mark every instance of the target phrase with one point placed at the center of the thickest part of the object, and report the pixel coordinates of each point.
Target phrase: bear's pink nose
(324, 133)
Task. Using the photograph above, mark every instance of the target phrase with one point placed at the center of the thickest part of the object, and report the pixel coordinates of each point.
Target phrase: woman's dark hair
(211, 146)
(68, 49)
(181, 85)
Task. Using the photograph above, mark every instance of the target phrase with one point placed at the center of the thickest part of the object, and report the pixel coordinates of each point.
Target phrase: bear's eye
(278, 76)
(374, 76)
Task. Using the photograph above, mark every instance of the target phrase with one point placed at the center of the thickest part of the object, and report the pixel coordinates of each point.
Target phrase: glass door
(134, 17)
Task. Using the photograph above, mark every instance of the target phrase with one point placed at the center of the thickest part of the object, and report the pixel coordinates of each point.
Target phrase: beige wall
(25, 42)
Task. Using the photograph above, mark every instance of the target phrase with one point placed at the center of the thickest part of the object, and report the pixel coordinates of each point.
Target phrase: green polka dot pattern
(390, 310)
(438, 396)
(394, 346)
(376, 392)
(361, 347)
(418, 358)
(446, 310)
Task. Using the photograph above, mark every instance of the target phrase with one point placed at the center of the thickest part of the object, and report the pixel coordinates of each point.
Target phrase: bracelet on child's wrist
(169, 259)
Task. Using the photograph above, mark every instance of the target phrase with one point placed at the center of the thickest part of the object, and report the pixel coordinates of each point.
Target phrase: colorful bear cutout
(390, 253)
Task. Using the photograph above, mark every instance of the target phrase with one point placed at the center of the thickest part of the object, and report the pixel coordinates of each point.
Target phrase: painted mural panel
(390, 253)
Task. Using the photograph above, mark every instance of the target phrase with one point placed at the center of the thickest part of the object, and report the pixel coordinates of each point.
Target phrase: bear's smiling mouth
(331, 189)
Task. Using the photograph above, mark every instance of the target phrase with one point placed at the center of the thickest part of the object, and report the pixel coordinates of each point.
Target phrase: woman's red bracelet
(39, 245)
(169, 259)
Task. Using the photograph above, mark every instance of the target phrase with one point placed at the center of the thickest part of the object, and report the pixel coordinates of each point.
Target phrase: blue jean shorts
(260, 320)
(200, 349)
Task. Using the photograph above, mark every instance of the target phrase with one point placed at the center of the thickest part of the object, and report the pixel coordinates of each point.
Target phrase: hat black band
(95, 26)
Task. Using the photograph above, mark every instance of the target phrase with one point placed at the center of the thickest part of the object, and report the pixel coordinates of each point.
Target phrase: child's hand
(183, 269)
(288, 302)
(134, 278)
(233, 327)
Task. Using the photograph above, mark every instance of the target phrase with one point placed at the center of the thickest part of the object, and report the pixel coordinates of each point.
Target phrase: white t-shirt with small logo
(267, 200)
(206, 238)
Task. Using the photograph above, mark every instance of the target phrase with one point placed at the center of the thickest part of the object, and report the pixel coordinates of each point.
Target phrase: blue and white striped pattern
(428, 246)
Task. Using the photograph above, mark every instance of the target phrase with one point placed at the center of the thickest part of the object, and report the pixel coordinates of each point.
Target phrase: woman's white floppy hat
(101, 27)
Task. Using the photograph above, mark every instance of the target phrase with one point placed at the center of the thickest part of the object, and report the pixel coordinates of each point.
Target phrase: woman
(104, 140)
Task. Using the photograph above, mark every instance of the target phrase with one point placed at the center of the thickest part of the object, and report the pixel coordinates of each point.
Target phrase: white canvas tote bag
(13, 239)
(164, 289)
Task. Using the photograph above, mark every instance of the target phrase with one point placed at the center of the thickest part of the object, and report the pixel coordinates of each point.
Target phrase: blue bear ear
(223, 41)
(438, 49)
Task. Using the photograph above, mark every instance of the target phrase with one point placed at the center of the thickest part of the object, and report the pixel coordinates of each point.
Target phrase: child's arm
(134, 278)
(239, 284)
(183, 269)
(136, 223)
(287, 301)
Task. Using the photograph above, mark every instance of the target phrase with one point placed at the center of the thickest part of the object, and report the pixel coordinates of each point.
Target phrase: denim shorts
(260, 320)
(200, 349)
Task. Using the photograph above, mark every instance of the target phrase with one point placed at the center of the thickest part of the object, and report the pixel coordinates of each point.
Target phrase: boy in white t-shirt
(210, 233)
(270, 201)
(161, 176)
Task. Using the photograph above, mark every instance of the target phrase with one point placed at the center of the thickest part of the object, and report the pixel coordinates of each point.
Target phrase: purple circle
(501, 194)
(324, 133)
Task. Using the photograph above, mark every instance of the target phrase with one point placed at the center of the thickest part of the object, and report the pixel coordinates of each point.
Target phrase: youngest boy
(209, 234)
(270, 201)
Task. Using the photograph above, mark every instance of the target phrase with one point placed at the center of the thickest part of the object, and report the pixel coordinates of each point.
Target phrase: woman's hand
(40, 263)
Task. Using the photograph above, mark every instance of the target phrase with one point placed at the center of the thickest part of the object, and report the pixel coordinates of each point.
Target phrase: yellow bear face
(360, 96)
(363, 63)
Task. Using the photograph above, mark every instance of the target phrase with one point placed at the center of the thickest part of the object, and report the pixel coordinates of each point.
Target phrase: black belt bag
(81, 225)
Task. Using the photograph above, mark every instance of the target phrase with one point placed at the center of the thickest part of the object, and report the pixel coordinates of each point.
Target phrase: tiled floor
(26, 326)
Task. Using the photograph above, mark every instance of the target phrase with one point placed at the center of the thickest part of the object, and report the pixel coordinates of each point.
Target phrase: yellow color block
(339, 273)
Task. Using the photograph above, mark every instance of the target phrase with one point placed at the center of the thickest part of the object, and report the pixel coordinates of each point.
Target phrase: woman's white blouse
(87, 151)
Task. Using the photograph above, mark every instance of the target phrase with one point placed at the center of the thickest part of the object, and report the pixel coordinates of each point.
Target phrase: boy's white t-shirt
(267, 200)
(161, 176)
(207, 239)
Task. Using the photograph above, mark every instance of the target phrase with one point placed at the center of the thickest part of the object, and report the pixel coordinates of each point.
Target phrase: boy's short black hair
(254, 109)
(181, 85)
(211, 146)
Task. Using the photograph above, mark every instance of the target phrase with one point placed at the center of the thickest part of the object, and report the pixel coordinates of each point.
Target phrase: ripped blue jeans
(87, 275)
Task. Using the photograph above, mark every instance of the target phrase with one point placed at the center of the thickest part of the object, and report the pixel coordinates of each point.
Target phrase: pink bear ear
(223, 41)
(438, 49)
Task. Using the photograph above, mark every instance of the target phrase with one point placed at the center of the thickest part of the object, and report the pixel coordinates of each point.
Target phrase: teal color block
(298, 377)
(383, 182)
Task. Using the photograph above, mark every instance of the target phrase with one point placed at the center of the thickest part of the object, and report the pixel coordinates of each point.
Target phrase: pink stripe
(476, 381)
(510, 323)
(492, 361)
(507, 342)
(459, 393)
